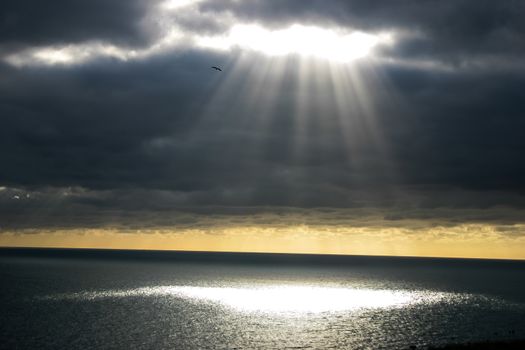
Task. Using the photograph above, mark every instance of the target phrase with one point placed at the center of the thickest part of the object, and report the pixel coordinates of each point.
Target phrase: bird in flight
(216, 68)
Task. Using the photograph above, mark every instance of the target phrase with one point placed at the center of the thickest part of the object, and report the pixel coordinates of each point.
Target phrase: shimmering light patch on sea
(283, 298)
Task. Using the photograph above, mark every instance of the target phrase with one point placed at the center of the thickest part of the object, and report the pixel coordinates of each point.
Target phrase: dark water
(71, 300)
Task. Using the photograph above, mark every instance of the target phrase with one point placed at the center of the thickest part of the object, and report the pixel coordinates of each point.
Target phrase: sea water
(53, 301)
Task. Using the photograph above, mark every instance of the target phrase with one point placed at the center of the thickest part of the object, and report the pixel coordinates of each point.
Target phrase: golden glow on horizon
(467, 240)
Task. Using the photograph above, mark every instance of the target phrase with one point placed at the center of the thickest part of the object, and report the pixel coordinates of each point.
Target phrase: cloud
(117, 102)
(476, 30)
(69, 208)
(28, 23)
(483, 35)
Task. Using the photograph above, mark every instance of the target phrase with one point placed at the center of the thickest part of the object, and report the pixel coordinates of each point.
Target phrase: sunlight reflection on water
(279, 299)
(199, 306)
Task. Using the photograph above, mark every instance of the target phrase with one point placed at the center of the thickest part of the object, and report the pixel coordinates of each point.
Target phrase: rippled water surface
(73, 303)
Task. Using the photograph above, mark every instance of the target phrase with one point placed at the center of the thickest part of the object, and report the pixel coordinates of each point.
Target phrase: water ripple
(276, 298)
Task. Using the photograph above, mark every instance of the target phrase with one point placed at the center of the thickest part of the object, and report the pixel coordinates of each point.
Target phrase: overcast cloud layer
(130, 118)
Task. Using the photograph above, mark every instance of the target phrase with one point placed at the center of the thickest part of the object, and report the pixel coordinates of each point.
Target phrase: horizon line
(254, 253)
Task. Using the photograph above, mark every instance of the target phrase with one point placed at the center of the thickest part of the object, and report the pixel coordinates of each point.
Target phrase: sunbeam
(321, 111)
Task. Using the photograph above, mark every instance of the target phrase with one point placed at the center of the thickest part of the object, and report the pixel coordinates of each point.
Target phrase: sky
(341, 127)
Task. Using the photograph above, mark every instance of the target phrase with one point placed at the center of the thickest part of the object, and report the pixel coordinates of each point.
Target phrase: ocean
(96, 299)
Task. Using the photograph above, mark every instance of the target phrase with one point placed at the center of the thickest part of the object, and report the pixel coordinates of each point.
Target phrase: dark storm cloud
(124, 210)
(162, 132)
(69, 125)
(26, 22)
(120, 125)
(464, 130)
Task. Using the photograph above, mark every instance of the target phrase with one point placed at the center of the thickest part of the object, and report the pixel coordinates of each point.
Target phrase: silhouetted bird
(217, 68)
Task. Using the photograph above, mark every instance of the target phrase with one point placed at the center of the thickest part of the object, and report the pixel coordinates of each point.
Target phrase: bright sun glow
(299, 39)
(277, 299)
(177, 4)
